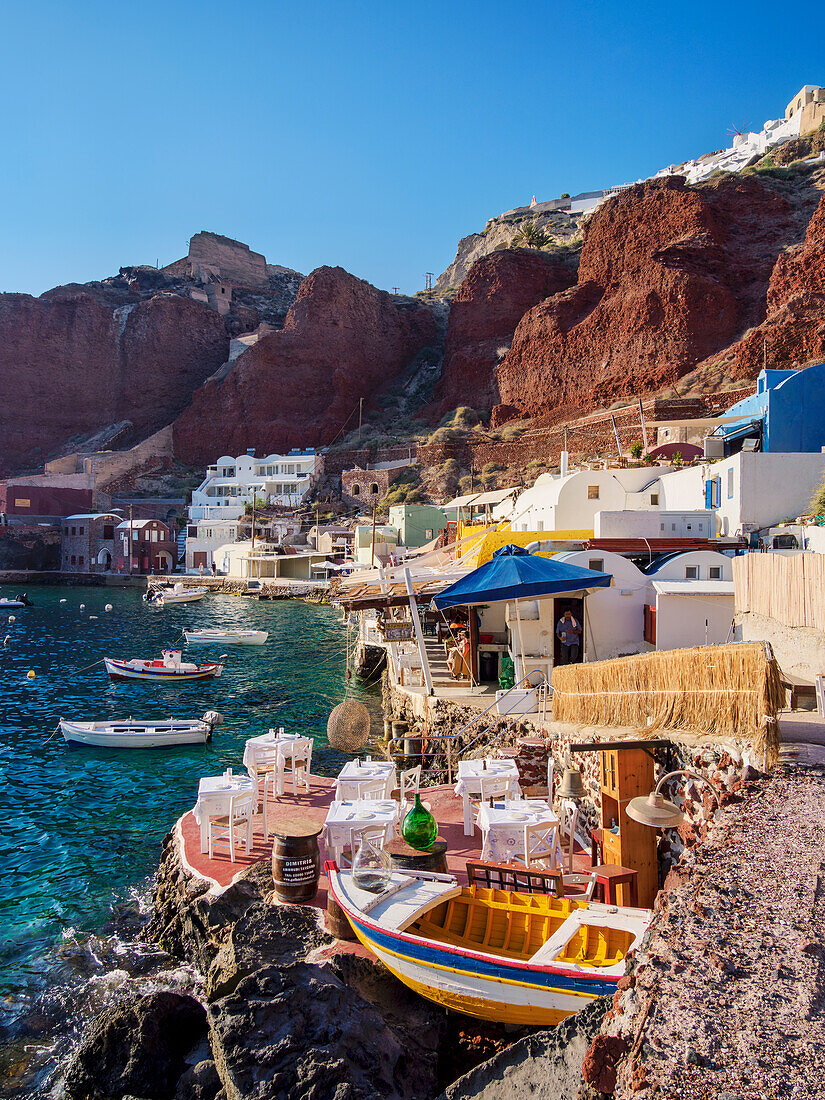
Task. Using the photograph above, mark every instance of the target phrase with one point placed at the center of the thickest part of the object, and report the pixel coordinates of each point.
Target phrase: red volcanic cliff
(495, 295)
(342, 339)
(71, 366)
(668, 276)
(793, 333)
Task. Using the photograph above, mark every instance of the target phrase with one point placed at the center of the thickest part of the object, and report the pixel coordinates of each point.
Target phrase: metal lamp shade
(572, 785)
(654, 810)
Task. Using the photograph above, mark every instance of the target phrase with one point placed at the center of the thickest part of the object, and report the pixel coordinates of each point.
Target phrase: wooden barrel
(410, 859)
(296, 861)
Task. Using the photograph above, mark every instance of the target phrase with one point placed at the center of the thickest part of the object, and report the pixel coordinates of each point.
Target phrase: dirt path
(729, 1000)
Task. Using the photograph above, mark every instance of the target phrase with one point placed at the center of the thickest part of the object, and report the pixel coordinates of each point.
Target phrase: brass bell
(572, 785)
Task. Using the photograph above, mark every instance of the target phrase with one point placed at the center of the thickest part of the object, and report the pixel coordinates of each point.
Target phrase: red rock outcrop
(70, 366)
(342, 339)
(793, 333)
(497, 292)
(669, 274)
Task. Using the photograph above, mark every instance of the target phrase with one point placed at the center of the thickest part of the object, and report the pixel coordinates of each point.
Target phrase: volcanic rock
(794, 332)
(70, 365)
(137, 1048)
(668, 275)
(342, 339)
(297, 1031)
(496, 294)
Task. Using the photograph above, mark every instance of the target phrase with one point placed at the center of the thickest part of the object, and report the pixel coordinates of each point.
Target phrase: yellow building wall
(486, 540)
(813, 115)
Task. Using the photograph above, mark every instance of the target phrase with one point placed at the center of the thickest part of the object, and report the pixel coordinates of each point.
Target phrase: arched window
(356, 490)
(374, 488)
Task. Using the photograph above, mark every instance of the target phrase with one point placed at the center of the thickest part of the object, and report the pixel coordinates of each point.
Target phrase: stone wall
(357, 485)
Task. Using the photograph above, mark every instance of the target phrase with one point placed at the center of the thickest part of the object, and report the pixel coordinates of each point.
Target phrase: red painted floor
(443, 803)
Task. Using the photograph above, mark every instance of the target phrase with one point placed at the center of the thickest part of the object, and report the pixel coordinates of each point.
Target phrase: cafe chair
(241, 808)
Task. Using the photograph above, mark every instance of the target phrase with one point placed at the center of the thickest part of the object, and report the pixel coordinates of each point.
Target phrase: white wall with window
(231, 483)
(570, 502)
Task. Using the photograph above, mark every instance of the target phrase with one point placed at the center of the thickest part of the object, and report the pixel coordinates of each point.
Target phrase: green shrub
(564, 195)
(636, 448)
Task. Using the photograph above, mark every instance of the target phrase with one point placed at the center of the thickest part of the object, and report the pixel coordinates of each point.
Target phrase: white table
(267, 741)
(214, 795)
(343, 817)
(502, 827)
(470, 775)
(539, 669)
(357, 772)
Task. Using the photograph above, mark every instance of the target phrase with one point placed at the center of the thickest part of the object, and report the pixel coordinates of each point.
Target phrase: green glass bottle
(419, 828)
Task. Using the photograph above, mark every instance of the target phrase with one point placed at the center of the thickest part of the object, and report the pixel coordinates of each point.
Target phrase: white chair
(551, 770)
(498, 787)
(375, 834)
(265, 764)
(241, 808)
(297, 760)
(541, 845)
(374, 791)
(586, 885)
(569, 816)
(350, 790)
(409, 785)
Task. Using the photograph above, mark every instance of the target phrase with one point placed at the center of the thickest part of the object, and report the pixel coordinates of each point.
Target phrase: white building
(749, 491)
(243, 561)
(204, 538)
(570, 502)
(691, 600)
(232, 483)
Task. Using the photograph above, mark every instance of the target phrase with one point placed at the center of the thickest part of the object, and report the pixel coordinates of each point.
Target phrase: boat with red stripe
(169, 668)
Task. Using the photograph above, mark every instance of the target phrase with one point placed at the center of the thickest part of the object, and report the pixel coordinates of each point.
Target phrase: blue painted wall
(792, 406)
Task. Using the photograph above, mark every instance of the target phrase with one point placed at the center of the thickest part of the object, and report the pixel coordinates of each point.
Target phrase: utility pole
(253, 521)
(394, 289)
(428, 280)
(131, 540)
(644, 428)
(374, 505)
(360, 414)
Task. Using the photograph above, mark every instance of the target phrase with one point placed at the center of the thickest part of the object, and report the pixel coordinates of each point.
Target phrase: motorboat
(226, 637)
(18, 601)
(169, 668)
(493, 954)
(178, 593)
(130, 734)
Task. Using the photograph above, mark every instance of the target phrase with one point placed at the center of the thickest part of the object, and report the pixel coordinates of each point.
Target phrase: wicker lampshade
(572, 785)
(348, 726)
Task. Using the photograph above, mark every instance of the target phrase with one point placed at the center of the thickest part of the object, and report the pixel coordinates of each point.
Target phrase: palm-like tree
(531, 235)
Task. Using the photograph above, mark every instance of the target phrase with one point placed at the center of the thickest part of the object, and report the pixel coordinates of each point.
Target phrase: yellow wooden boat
(493, 954)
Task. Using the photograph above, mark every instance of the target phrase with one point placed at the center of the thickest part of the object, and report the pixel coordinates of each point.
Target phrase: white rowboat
(129, 734)
(226, 637)
(165, 597)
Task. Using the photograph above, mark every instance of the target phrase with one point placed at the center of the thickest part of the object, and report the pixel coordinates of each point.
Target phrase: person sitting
(568, 632)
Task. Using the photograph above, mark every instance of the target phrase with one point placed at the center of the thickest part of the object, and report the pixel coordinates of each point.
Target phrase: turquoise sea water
(82, 827)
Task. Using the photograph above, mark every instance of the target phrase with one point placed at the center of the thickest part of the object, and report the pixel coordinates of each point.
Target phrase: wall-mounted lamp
(655, 810)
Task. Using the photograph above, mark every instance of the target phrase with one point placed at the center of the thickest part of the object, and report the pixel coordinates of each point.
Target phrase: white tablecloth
(502, 827)
(358, 772)
(269, 741)
(343, 817)
(214, 794)
(470, 775)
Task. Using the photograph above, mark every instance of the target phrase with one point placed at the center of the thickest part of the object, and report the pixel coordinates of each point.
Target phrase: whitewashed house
(571, 501)
(232, 483)
(690, 600)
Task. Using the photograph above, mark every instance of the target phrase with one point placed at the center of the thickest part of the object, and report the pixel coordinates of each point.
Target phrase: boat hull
(121, 670)
(482, 986)
(125, 735)
(251, 637)
(185, 597)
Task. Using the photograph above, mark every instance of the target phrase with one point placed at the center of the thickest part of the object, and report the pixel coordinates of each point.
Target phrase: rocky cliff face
(500, 234)
(496, 294)
(668, 276)
(342, 339)
(793, 332)
(70, 365)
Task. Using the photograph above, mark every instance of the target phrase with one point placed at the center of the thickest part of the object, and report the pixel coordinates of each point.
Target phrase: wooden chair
(579, 887)
(298, 760)
(569, 815)
(409, 785)
(266, 769)
(506, 876)
(375, 834)
(541, 845)
(241, 808)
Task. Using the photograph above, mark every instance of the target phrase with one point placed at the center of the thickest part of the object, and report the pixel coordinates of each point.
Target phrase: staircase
(437, 659)
(182, 547)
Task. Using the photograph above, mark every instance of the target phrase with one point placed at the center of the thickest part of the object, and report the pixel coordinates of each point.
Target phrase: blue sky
(370, 135)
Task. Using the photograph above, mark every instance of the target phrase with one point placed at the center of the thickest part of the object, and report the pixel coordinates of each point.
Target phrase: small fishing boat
(18, 602)
(226, 637)
(494, 954)
(169, 668)
(178, 593)
(130, 734)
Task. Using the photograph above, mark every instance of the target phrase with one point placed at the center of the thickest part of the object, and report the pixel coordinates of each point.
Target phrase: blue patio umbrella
(514, 574)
